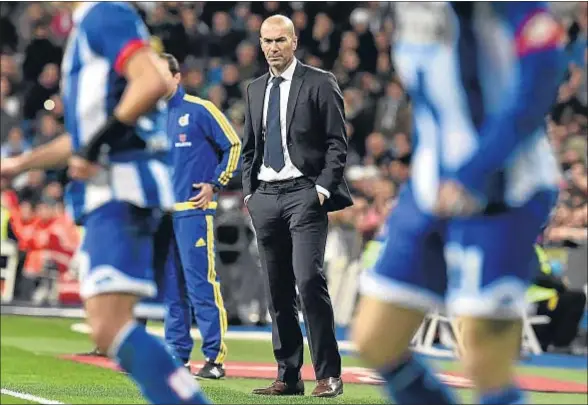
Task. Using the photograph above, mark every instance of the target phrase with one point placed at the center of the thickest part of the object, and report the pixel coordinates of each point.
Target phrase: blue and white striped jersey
(482, 77)
(104, 36)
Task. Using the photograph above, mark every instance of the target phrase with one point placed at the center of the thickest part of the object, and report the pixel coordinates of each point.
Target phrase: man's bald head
(278, 42)
(281, 21)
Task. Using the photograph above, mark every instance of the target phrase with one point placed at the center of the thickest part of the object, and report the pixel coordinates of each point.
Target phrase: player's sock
(161, 378)
(412, 382)
(508, 396)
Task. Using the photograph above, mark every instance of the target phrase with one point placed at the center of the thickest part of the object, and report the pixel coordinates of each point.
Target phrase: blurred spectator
(193, 82)
(40, 52)
(54, 239)
(48, 129)
(240, 13)
(15, 144)
(46, 86)
(223, 40)
(196, 33)
(346, 67)
(252, 30)
(303, 31)
(360, 115)
(10, 70)
(247, 60)
(231, 83)
(378, 152)
(360, 19)
(313, 61)
(9, 109)
(8, 35)
(578, 35)
(169, 29)
(268, 8)
(392, 112)
(399, 169)
(54, 190)
(384, 68)
(10, 102)
(33, 14)
(371, 86)
(401, 144)
(218, 96)
(325, 40)
(30, 185)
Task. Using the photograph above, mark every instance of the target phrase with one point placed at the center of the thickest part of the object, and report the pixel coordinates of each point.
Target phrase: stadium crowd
(217, 44)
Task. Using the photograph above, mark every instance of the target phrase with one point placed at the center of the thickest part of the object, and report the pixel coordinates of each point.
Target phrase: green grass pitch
(30, 365)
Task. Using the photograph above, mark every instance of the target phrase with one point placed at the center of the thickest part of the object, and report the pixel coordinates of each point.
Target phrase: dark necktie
(274, 154)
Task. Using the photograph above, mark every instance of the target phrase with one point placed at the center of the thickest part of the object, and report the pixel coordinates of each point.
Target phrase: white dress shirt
(289, 171)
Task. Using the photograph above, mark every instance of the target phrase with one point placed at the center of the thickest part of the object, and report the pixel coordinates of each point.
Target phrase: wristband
(112, 131)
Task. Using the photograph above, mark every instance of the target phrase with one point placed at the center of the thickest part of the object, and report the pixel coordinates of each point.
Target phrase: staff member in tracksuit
(206, 154)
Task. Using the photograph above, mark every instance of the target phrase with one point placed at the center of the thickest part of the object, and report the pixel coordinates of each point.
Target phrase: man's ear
(294, 42)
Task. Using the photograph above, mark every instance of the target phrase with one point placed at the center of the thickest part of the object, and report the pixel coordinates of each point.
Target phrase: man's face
(171, 80)
(278, 45)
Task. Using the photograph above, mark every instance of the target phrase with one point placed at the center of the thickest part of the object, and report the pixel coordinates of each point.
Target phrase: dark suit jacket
(315, 124)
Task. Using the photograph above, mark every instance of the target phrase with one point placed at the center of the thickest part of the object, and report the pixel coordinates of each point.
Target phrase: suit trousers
(291, 230)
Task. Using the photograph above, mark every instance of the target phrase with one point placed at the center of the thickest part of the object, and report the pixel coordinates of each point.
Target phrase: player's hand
(81, 169)
(321, 198)
(453, 200)
(205, 195)
(11, 167)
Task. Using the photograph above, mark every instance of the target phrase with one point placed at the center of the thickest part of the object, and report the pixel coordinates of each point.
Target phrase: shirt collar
(178, 96)
(287, 74)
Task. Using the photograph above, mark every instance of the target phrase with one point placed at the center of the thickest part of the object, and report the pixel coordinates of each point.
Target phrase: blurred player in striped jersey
(482, 77)
(112, 87)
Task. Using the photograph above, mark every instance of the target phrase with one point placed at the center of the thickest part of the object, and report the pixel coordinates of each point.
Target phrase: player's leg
(195, 238)
(489, 258)
(112, 285)
(178, 317)
(407, 281)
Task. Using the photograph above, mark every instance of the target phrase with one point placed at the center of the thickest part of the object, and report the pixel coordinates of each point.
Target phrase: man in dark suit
(294, 153)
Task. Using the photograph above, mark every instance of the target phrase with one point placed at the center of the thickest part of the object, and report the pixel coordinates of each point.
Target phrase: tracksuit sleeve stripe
(231, 135)
(228, 132)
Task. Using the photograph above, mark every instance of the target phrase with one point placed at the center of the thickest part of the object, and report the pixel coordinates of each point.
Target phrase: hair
(172, 63)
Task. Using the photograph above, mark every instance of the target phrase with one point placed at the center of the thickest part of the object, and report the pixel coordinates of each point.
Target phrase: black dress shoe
(281, 388)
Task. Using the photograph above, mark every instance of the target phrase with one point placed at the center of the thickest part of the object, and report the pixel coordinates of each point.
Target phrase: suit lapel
(257, 110)
(297, 80)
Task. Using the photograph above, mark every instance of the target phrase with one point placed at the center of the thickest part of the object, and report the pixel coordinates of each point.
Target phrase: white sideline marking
(28, 397)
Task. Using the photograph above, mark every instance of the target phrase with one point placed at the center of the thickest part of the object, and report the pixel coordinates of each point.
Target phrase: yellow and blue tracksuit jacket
(205, 149)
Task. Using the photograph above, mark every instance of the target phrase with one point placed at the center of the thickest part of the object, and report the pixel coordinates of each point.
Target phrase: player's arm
(539, 69)
(117, 34)
(226, 139)
(50, 155)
